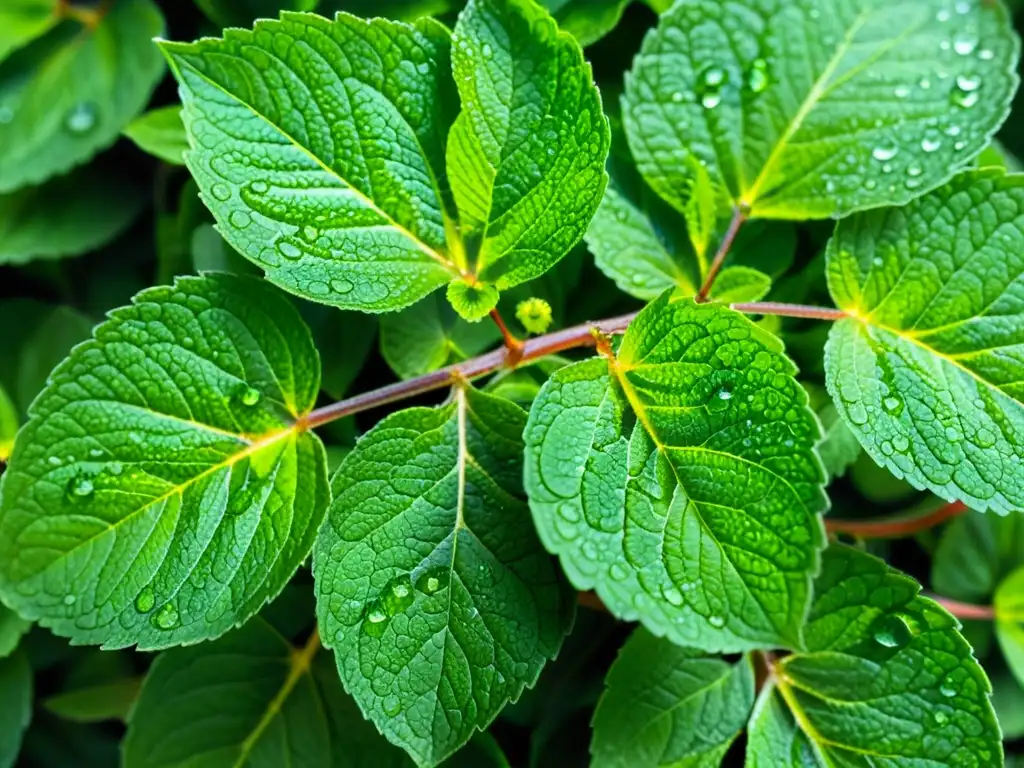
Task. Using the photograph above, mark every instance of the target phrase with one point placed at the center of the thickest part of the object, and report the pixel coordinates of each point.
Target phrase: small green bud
(534, 315)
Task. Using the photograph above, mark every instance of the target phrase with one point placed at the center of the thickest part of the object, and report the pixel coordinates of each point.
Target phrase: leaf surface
(886, 677)
(928, 369)
(666, 705)
(250, 699)
(12, 627)
(15, 705)
(319, 147)
(812, 108)
(161, 133)
(1009, 607)
(679, 479)
(975, 553)
(526, 154)
(432, 588)
(162, 490)
(67, 95)
(66, 216)
(586, 20)
(24, 20)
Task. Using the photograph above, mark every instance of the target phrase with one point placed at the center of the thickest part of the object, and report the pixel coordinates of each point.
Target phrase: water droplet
(712, 82)
(289, 250)
(249, 395)
(901, 92)
(166, 618)
(310, 233)
(883, 154)
(6, 115)
(716, 621)
(487, 51)
(965, 43)
(892, 404)
(930, 145)
(617, 572)
(901, 443)
(914, 170)
(392, 705)
(397, 595)
(673, 595)
(758, 80)
(878, 261)
(240, 219)
(221, 192)
(81, 118)
(96, 453)
(145, 601)
(54, 461)
(895, 631)
(433, 581)
(80, 487)
(942, 15)
(986, 55)
(70, 599)
(963, 7)
(114, 468)
(968, 82)
(342, 286)
(947, 690)
(375, 613)
(940, 718)
(912, 183)
(677, 96)
(259, 187)
(925, 83)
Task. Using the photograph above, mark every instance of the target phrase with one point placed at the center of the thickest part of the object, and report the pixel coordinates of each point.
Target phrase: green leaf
(774, 740)
(93, 704)
(429, 335)
(526, 154)
(345, 341)
(432, 588)
(250, 699)
(522, 384)
(679, 479)
(976, 552)
(15, 706)
(8, 424)
(24, 20)
(1008, 702)
(161, 133)
(840, 448)
(67, 95)
(1009, 607)
(235, 13)
(927, 370)
(325, 169)
(586, 20)
(164, 489)
(739, 284)
(817, 108)
(473, 302)
(402, 10)
(12, 628)
(671, 706)
(886, 678)
(66, 216)
(60, 329)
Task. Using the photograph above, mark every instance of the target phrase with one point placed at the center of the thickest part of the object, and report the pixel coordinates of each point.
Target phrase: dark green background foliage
(737, 534)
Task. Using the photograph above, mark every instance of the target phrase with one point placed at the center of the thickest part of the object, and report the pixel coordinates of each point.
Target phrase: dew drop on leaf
(965, 43)
(166, 618)
(673, 595)
(883, 154)
(758, 80)
(81, 118)
(146, 600)
(289, 250)
(392, 705)
(248, 395)
(712, 82)
(80, 487)
(70, 599)
(716, 621)
(221, 191)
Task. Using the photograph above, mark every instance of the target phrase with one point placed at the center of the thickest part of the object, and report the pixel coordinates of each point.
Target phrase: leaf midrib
(368, 202)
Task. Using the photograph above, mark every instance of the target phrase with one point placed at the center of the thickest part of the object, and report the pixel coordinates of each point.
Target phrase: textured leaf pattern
(67, 95)
(817, 108)
(700, 520)
(161, 492)
(928, 370)
(319, 146)
(432, 589)
(526, 155)
(886, 678)
(670, 706)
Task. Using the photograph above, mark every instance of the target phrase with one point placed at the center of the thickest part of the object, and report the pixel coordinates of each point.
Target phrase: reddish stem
(896, 528)
(739, 216)
(789, 310)
(592, 601)
(966, 610)
(512, 344)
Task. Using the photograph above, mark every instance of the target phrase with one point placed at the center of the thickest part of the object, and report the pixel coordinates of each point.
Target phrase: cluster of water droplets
(399, 594)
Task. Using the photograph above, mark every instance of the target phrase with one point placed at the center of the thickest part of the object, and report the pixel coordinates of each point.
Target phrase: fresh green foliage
(161, 491)
(304, 383)
(669, 705)
(439, 603)
(67, 94)
(701, 519)
(816, 108)
(927, 370)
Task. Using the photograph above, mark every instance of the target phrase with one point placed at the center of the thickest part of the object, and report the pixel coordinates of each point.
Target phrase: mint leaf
(12, 627)
(432, 589)
(15, 705)
(66, 216)
(161, 133)
(109, 700)
(325, 168)
(976, 552)
(739, 284)
(1009, 607)
(886, 678)
(8, 424)
(163, 489)
(429, 335)
(840, 448)
(24, 20)
(403, 10)
(927, 371)
(45, 346)
(249, 699)
(813, 109)
(671, 706)
(586, 20)
(234, 13)
(699, 519)
(774, 740)
(526, 154)
(91, 81)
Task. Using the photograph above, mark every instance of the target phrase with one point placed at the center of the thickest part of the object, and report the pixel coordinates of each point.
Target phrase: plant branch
(789, 310)
(584, 335)
(739, 216)
(87, 17)
(512, 343)
(896, 527)
(966, 610)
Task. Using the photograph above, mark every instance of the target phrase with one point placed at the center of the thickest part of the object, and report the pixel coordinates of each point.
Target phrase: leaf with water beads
(927, 371)
(440, 603)
(92, 81)
(678, 479)
(885, 678)
(812, 108)
(162, 490)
